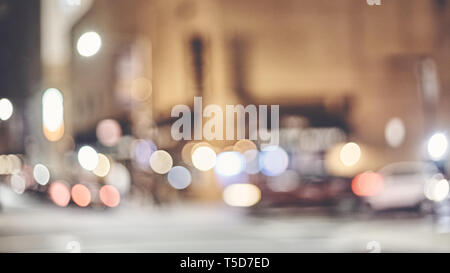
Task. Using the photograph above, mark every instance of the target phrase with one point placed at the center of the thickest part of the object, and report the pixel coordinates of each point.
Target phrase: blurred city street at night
(224, 126)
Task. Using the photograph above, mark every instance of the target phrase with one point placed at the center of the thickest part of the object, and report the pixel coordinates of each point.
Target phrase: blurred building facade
(362, 63)
(20, 67)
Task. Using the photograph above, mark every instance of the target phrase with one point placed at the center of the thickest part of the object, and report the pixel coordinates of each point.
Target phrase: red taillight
(367, 184)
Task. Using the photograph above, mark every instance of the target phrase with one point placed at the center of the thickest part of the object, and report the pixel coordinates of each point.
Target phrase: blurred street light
(437, 188)
(350, 154)
(437, 146)
(204, 158)
(6, 109)
(88, 158)
(53, 114)
(395, 132)
(230, 163)
(179, 177)
(41, 174)
(103, 166)
(241, 195)
(161, 162)
(89, 44)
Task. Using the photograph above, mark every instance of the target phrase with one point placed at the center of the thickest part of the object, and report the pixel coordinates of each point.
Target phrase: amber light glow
(81, 195)
(53, 135)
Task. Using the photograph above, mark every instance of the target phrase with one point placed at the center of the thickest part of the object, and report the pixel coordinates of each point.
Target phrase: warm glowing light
(81, 195)
(89, 44)
(367, 184)
(88, 158)
(179, 177)
(394, 132)
(54, 136)
(4, 164)
(204, 158)
(244, 145)
(103, 166)
(41, 174)
(437, 146)
(186, 153)
(10, 164)
(109, 132)
(241, 195)
(53, 114)
(119, 177)
(273, 160)
(350, 154)
(59, 193)
(109, 196)
(72, 3)
(6, 109)
(161, 162)
(229, 164)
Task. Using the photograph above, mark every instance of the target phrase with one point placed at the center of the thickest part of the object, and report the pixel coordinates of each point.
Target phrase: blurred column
(57, 20)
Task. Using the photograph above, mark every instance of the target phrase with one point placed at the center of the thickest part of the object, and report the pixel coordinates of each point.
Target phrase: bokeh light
(437, 146)
(273, 160)
(350, 154)
(88, 158)
(395, 132)
(59, 194)
(186, 153)
(109, 132)
(41, 174)
(10, 164)
(89, 44)
(367, 184)
(241, 195)
(437, 188)
(203, 158)
(119, 177)
(18, 183)
(53, 114)
(179, 177)
(244, 145)
(6, 109)
(161, 162)
(81, 195)
(229, 163)
(109, 196)
(143, 150)
(103, 166)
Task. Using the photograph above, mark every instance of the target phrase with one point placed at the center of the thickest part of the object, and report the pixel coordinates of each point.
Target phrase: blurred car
(333, 193)
(403, 187)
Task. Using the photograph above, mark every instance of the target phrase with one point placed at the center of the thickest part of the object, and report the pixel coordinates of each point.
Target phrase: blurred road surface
(209, 228)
